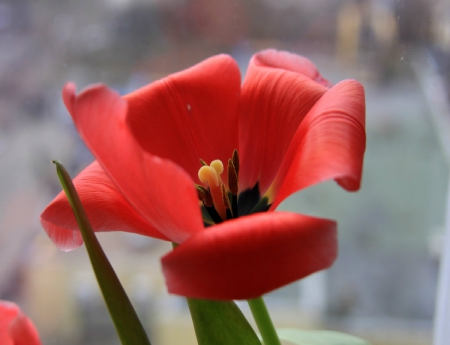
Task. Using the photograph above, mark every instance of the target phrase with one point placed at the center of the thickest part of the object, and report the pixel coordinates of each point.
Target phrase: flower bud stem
(263, 321)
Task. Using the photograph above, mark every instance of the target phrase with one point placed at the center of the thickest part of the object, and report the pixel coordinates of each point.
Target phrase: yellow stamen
(220, 200)
(210, 175)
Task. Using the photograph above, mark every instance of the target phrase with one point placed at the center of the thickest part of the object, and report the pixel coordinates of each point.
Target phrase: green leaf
(128, 325)
(301, 337)
(220, 323)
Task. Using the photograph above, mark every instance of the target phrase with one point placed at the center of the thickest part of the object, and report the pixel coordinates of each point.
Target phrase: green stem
(263, 321)
(220, 322)
(126, 321)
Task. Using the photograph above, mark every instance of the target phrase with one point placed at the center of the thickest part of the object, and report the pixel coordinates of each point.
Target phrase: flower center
(220, 202)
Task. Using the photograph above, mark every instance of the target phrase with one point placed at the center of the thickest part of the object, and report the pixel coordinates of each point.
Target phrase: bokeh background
(383, 285)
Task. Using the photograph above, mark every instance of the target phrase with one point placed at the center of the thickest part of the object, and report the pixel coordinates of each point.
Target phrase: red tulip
(15, 327)
(290, 130)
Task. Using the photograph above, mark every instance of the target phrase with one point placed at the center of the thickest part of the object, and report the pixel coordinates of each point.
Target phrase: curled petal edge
(329, 144)
(156, 188)
(250, 256)
(105, 206)
(272, 58)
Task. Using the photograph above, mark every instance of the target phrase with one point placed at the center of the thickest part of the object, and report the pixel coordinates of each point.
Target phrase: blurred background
(383, 285)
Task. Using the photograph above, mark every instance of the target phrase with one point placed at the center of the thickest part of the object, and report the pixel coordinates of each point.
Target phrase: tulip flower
(198, 159)
(15, 327)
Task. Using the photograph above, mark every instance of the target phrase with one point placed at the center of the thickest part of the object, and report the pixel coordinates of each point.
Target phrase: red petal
(158, 189)
(69, 97)
(274, 102)
(23, 331)
(15, 327)
(291, 62)
(250, 256)
(105, 207)
(189, 115)
(329, 144)
(8, 311)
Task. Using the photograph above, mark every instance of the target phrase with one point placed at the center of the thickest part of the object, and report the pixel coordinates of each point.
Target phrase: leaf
(128, 325)
(301, 337)
(220, 323)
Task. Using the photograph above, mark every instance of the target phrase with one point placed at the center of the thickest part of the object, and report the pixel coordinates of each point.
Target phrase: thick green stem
(220, 322)
(263, 321)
